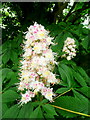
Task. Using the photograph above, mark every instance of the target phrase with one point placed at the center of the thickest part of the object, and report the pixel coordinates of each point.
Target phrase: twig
(71, 111)
(63, 93)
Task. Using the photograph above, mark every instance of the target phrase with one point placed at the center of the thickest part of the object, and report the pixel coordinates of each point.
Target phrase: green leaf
(49, 110)
(4, 108)
(69, 75)
(3, 47)
(70, 103)
(83, 100)
(37, 113)
(11, 112)
(4, 72)
(13, 56)
(80, 96)
(85, 42)
(9, 75)
(85, 31)
(63, 75)
(62, 24)
(84, 90)
(6, 57)
(9, 96)
(84, 74)
(68, 62)
(12, 77)
(44, 101)
(60, 41)
(48, 116)
(26, 111)
(56, 29)
(61, 90)
(79, 79)
(35, 104)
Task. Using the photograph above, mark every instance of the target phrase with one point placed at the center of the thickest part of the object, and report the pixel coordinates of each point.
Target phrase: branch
(70, 12)
(59, 10)
(76, 13)
(79, 10)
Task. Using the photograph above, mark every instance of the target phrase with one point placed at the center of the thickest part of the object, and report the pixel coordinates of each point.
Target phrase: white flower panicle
(69, 48)
(37, 65)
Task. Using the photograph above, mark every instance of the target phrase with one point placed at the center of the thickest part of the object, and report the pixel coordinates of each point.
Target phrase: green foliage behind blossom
(74, 74)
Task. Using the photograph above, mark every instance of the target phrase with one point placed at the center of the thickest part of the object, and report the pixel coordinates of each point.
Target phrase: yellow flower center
(36, 48)
(47, 73)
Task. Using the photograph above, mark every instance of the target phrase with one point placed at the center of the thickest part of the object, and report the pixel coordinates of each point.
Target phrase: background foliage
(62, 20)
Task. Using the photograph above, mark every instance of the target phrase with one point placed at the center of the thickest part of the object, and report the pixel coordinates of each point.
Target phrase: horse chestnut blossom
(69, 48)
(36, 71)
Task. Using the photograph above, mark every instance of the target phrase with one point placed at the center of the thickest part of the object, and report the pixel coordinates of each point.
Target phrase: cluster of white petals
(36, 71)
(69, 48)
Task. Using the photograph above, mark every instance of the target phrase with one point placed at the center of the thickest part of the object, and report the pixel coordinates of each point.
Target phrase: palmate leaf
(14, 56)
(85, 31)
(11, 112)
(4, 108)
(37, 113)
(80, 75)
(9, 96)
(48, 116)
(66, 71)
(70, 103)
(9, 53)
(79, 79)
(12, 79)
(61, 90)
(58, 47)
(6, 56)
(25, 111)
(63, 76)
(56, 29)
(4, 72)
(8, 75)
(84, 90)
(37, 103)
(3, 47)
(32, 110)
(85, 42)
(84, 74)
(68, 62)
(83, 100)
(49, 111)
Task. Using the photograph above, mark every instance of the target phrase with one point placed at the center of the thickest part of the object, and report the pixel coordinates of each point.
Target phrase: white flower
(21, 86)
(41, 35)
(64, 49)
(49, 55)
(25, 97)
(37, 64)
(68, 58)
(28, 52)
(39, 47)
(45, 73)
(47, 92)
(52, 79)
(69, 48)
